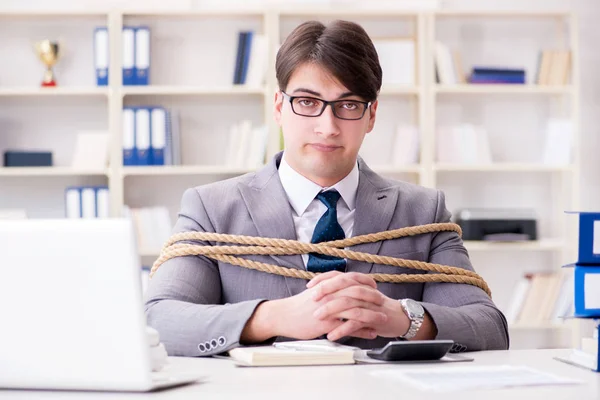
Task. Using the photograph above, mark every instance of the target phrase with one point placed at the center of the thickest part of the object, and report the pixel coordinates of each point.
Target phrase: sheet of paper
(469, 378)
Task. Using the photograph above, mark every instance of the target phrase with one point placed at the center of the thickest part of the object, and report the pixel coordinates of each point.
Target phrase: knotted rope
(269, 246)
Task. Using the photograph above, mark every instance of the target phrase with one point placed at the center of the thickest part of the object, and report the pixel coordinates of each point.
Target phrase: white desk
(347, 382)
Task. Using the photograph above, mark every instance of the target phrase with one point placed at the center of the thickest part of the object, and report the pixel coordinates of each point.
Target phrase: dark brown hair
(343, 48)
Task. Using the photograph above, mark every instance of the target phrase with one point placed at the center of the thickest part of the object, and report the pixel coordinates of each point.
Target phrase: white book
(465, 139)
(397, 60)
(73, 203)
(88, 203)
(258, 146)
(445, 151)
(258, 62)
(102, 202)
(232, 145)
(245, 138)
(558, 143)
(406, 146)
(484, 152)
(444, 64)
(518, 298)
(91, 150)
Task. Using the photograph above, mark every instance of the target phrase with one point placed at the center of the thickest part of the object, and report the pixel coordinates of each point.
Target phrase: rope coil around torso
(252, 245)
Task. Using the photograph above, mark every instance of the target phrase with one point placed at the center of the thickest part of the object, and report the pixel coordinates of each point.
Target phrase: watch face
(415, 308)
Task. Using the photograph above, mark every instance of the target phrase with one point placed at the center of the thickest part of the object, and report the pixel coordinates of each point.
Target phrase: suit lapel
(375, 206)
(271, 214)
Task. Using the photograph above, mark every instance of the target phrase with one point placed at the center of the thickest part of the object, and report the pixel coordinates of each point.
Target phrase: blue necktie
(327, 228)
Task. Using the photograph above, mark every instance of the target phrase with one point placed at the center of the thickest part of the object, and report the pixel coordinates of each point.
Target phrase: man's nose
(328, 122)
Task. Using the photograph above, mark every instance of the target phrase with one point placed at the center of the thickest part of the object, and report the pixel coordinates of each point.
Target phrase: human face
(324, 148)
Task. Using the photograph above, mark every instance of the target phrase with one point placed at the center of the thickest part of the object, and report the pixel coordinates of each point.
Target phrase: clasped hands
(342, 304)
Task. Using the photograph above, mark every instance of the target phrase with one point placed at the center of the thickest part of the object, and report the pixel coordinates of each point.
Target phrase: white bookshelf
(208, 103)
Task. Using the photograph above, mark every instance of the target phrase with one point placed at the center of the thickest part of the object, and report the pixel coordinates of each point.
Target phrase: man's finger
(364, 333)
(338, 283)
(364, 315)
(362, 293)
(338, 305)
(345, 329)
(357, 276)
(322, 277)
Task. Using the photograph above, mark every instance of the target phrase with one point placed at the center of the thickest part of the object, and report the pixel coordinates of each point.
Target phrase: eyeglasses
(350, 110)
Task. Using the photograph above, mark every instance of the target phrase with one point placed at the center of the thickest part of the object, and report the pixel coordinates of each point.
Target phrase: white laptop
(71, 312)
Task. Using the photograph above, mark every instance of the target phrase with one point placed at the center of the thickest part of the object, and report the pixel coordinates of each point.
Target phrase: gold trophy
(47, 51)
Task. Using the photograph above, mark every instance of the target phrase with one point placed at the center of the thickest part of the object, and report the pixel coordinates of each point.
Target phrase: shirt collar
(301, 191)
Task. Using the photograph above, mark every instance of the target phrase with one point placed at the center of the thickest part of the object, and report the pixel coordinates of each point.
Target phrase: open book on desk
(313, 352)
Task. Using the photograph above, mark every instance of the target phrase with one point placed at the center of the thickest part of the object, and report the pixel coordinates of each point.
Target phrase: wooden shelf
(191, 90)
(185, 170)
(325, 11)
(146, 253)
(531, 245)
(56, 91)
(501, 13)
(48, 171)
(390, 169)
(53, 13)
(387, 90)
(502, 89)
(502, 167)
(538, 326)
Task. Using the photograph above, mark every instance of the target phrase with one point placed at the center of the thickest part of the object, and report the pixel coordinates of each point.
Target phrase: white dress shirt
(307, 209)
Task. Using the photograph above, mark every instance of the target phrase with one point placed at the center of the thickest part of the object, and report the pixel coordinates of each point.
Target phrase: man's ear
(372, 113)
(278, 103)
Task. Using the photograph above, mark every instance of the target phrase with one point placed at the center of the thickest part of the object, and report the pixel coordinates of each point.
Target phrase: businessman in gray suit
(318, 189)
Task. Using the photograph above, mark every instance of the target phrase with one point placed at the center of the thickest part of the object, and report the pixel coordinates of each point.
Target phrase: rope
(252, 245)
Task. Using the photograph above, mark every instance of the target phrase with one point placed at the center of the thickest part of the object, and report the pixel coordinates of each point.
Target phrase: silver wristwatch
(416, 315)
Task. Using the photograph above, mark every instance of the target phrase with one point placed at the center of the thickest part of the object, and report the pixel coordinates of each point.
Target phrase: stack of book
(448, 65)
(251, 59)
(492, 75)
(397, 59)
(135, 55)
(541, 297)
(247, 145)
(86, 202)
(463, 144)
(554, 67)
(152, 227)
(150, 136)
(587, 288)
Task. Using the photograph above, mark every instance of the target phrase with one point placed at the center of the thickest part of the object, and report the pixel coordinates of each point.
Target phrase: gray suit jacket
(200, 306)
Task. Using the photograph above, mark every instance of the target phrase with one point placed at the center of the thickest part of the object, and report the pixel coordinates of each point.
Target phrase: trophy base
(49, 84)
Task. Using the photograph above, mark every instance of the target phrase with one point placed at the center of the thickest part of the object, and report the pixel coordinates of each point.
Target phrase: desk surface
(346, 382)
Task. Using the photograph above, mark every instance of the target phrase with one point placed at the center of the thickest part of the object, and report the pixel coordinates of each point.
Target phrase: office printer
(497, 224)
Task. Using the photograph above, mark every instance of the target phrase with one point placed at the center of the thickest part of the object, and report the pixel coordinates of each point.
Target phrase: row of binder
(251, 59)
(135, 55)
(86, 202)
(150, 137)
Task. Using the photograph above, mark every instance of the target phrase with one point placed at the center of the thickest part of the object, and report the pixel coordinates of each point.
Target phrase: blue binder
(128, 132)
(142, 136)
(101, 55)
(142, 55)
(128, 55)
(246, 57)
(158, 135)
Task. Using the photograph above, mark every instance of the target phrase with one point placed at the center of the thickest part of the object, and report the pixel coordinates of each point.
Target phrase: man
(318, 189)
